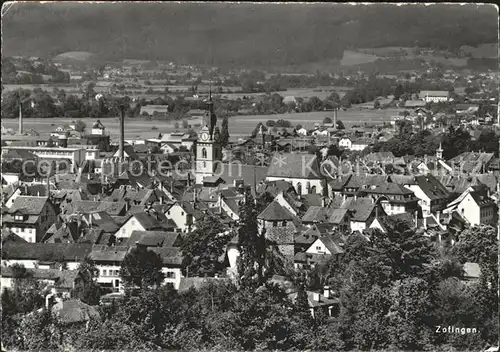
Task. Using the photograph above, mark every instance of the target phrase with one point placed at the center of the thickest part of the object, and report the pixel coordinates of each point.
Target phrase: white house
(434, 96)
(143, 222)
(301, 131)
(359, 144)
(182, 214)
(475, 206)
(345, 143)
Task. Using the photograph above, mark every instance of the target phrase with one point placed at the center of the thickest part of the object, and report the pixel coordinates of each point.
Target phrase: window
(132, 222)
(123, 230)
(275, 223)
(284, 223)
(30, 231)
(170, 275)
(204, 164)
(318, 248)
(204, 153)
(182, 213)
(104, 272)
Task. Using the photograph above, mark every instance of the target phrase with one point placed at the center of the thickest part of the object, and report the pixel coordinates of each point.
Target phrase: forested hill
(245, 35)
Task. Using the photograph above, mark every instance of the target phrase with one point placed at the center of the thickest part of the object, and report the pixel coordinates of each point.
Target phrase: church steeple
(439, 151)
(210, 114)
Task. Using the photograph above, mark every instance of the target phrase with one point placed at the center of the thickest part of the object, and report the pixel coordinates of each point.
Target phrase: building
(98, 129)
(29, 217)
(433, 196)
(151, 110)
(208, 147)
(434, 96)
(475, 206)
(74, 156)
(301, 170)
(394, 198)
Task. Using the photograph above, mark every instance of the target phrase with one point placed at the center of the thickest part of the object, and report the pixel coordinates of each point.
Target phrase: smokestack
(122, 132)
(335, 118)
(20, 119)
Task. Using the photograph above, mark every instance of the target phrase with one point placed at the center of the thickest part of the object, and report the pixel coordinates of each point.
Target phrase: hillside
(239, 35)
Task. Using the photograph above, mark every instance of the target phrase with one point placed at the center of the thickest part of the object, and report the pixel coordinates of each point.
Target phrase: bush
(270, 123)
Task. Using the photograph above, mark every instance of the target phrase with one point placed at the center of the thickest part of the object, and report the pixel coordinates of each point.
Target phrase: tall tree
(88, 291)
(142, 268)
(203, 247)
(224, 134)
(251, 244)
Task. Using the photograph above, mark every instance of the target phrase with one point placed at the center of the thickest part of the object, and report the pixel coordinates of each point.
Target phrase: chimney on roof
(326, 292)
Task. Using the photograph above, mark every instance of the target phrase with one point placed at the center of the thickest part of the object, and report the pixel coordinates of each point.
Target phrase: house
(108, 263)
(301, 131)
(434, 96)
(29, 217)
(144, 221)
(359, 144)
(362, 210)
(151, 110)
(345, 143)
(74, 311)
(321, 250)
(32, 255)
(128, 152)
(324, 301)
(63, 281)
(337, 218)
(475, 206)
(432, 195)
(183, 214)
(171, 265)
(394, 198)
(301, 170)
(412, 104)
(98, 128)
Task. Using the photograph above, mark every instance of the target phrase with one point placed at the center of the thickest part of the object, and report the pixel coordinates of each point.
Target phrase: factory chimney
(335, 118)
(122, 131)
(20, 119)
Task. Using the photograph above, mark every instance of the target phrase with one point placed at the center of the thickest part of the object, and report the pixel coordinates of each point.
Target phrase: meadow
(239, 126)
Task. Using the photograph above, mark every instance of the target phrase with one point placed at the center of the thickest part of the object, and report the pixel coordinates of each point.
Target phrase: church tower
(439, 152)
(208, 147)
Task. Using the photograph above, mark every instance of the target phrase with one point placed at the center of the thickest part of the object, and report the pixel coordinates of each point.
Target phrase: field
(352, 58)
(239, 126)
(363, 56)
(487, 50)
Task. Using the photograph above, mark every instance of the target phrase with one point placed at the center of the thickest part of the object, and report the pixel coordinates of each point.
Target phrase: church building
(208, 146)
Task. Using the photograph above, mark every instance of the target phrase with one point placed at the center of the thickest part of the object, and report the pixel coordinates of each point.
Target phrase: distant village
(80, 193)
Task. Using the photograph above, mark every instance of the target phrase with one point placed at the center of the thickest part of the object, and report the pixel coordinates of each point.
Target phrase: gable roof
(432, 188)
(39, 251)
(275, 212)
(289, 165)
(154, 238)
(28, 205)
(360, 208)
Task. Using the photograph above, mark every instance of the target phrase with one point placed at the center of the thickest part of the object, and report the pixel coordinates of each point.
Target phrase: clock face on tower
(204, 136)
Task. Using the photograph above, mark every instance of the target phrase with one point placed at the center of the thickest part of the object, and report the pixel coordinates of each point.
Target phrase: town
(159, 205)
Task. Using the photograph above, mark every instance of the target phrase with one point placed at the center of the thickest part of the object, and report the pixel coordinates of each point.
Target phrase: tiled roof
(75, 311)
(38, 251)
(108, 254)
(275, 212)
(331, 245)
(169, 255)
(391, 189)
(28, 205)
(288, 165)
(431, 187)
(361, 208)
(154, 238)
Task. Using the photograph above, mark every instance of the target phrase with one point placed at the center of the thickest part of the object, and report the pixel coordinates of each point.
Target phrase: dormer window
(18, 217)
